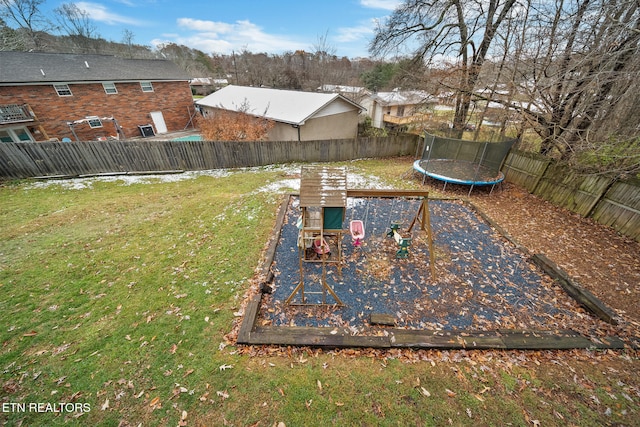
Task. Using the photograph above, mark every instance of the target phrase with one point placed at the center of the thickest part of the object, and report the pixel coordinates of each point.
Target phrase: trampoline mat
(459, 171)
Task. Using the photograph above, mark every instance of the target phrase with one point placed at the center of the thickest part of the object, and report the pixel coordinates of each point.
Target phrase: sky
(225, 26)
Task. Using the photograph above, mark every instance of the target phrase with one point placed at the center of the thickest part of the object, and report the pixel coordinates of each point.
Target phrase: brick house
(49, 96)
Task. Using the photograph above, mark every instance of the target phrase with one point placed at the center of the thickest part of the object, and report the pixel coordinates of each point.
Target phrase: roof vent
(42, 71)
(86, 64)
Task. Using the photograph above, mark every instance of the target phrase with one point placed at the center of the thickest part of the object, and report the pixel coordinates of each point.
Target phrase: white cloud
(381, 4)
(100, 13)
(357, 33)
(224, 37)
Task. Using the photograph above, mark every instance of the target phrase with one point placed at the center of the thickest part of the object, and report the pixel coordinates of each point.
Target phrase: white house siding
(336, 126)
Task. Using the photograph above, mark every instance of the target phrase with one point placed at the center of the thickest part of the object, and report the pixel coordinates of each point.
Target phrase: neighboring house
(400, 109)
(49, 96)
(206, 85)
(360, 95)
(298, 116)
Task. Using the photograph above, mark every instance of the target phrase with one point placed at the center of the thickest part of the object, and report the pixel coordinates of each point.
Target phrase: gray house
(298, 116)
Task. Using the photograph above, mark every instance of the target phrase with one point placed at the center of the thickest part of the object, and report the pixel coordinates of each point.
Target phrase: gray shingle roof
(28, 67)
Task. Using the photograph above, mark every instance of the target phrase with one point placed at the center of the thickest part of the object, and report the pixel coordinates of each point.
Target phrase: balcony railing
(14, 113)
(405, 120)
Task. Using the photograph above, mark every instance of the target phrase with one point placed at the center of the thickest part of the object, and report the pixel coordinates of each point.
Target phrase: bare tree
(26, 15)
(76, 23)
(127, 40)
(580, 73)
(323, 55)
(9, 38)
(458, 29)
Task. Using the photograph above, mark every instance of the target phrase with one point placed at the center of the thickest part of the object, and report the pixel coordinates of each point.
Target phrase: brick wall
(130, 107)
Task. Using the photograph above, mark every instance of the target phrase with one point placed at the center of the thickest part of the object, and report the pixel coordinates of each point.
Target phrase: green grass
(120, 297)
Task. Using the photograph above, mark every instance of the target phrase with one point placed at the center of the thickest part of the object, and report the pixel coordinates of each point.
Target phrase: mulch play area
(486, 292)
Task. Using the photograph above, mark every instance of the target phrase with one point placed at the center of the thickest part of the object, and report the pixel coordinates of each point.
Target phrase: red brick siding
(130, 107)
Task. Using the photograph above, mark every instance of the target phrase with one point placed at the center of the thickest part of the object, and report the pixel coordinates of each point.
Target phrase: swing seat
(403, 242)
(321, 247)
(356, 227)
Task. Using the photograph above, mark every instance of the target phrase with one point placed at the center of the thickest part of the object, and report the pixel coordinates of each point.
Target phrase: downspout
(297, 126)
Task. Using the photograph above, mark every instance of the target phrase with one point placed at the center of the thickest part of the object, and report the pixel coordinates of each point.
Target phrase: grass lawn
(117, 299)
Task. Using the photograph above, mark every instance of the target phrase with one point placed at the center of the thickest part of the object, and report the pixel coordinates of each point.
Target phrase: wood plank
(315, 337)
(577, 292)
(543, 340)
(386, 193)
(453, 340)
(382, 319)
(248, 323)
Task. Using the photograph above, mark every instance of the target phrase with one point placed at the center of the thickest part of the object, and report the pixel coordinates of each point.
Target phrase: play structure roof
(323, 186)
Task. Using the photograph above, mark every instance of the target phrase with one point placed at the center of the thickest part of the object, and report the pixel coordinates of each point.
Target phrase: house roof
(344, 89)
(412, 97)
(286, 106)
(28, 67)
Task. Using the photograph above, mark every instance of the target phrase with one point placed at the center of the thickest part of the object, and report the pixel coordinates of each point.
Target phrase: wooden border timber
(423, 339)
(575, 291)
(252, 308)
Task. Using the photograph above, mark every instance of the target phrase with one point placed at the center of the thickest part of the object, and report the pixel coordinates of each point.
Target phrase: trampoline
(463, 162)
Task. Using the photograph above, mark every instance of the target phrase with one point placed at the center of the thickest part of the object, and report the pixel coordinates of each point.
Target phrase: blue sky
(223, 26)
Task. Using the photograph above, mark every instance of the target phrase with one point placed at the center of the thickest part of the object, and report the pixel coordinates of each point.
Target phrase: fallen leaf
(105, 405)
(450, 393)
(155, 403)
(425, 392)
(173, 349)
(225, 367)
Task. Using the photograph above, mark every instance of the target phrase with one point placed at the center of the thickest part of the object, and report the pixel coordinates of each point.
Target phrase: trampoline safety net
(463, 162)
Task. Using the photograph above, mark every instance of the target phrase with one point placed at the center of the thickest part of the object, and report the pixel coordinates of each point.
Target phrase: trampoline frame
(477, 164)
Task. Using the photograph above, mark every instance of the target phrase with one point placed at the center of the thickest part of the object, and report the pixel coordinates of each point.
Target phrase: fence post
(544, 171)
(600, 197)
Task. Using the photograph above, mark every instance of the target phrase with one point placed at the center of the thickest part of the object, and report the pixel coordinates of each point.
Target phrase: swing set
(323, 203)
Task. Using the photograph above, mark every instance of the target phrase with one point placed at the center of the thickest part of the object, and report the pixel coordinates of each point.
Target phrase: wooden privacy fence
(611, 202)
(608, 201)
(69, 159)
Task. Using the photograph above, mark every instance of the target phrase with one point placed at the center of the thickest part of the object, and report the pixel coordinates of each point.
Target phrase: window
(400, 110)
(15, 135)
(22, 134)
(5, 136)
(146, 86)
(63, 90)
(110, 88)
(94, 122)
